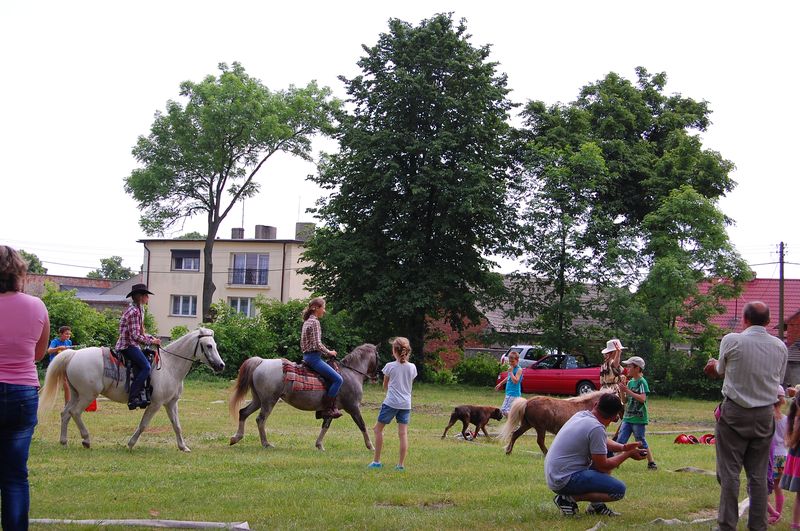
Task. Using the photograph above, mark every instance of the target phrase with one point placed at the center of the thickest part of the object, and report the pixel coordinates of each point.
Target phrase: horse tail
(56, 373)
(515, 415)
(243, 383)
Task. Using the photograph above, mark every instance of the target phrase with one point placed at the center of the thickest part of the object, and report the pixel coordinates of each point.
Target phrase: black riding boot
(330, 404)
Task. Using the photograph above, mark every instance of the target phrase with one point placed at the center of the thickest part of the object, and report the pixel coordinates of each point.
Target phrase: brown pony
(544, 413)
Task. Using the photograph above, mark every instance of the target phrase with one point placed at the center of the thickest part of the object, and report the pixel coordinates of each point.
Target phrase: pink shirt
(22, 320)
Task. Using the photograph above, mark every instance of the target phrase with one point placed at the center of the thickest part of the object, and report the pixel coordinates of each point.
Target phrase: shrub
(442, 377)
(479, 370)
(178, 332)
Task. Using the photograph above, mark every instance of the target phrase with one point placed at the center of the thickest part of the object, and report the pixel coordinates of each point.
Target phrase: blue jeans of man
(18, 404)
(589, 480)
(139, 361)
(314, 360)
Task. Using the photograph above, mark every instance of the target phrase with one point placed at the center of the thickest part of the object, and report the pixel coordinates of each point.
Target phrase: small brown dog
(478, 415)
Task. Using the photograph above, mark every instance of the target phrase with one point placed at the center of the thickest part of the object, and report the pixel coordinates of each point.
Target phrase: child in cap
(635, 418)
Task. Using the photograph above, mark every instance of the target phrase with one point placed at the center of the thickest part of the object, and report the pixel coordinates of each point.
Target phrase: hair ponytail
(401, 348)
(313, 304)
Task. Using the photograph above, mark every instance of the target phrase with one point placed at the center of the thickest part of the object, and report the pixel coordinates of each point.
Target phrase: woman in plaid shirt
(313, 349)
(131, 335)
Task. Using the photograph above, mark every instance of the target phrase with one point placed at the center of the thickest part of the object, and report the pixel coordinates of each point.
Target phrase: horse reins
(196, 345)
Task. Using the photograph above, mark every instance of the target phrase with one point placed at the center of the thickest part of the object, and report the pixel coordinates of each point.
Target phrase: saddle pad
(302, 378)
(112, 367)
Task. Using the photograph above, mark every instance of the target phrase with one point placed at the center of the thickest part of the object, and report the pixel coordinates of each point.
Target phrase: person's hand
(157, 341)
(638, 454)
(333, 353)
(61, 348)
(627, 447)
(623, 379)
(497, 387)
(710, 369)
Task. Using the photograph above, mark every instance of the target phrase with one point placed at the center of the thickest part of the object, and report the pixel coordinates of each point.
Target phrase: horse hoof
(233, 441)
(85, 444)
(320, 448)
(186, 450)
(63, 443)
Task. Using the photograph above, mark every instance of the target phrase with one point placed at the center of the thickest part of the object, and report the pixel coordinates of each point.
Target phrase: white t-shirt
(398, 394)
(780, 432)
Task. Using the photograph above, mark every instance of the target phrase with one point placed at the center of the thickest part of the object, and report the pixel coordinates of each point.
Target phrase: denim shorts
(388, 413)
(590, 480)
(627, 428)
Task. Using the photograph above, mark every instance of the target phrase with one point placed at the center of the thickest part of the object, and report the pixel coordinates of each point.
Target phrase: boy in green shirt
(635, 418)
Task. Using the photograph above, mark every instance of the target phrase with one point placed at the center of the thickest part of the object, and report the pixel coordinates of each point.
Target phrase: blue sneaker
(374, 465)
(400, 468)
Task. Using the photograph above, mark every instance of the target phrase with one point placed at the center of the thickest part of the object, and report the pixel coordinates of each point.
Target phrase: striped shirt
(311, 337)
(753, 363)
(131, 329)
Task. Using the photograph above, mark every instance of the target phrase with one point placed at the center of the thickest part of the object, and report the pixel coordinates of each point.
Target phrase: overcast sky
(83, 79)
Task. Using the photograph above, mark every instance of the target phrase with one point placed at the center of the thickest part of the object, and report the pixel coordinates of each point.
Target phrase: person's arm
(316, 339)
(793, 437)
(605, 464)
(41, 344)
(52, 349)
(515, 377)
(639, 397)
(501, 384)
(385, 382)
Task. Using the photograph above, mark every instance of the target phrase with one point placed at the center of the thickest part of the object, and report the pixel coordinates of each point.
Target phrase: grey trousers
(743, 440)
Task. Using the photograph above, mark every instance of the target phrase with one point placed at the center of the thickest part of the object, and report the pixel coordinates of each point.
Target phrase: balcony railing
(247, 277)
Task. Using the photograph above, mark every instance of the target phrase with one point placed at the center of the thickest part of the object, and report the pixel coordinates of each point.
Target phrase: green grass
(447, 484)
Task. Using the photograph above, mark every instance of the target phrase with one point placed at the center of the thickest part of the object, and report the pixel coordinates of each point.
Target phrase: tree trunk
(208, 274)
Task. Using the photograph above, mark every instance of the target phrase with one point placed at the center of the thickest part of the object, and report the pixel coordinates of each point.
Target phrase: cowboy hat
(612, 345)
(139, 288)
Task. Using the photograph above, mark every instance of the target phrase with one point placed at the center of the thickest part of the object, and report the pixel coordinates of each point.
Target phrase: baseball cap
(634, 360)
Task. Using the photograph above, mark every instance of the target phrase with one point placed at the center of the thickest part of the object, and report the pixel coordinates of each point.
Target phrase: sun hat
(781, 391)
(139, 288)
(612, 345)
(634, 360)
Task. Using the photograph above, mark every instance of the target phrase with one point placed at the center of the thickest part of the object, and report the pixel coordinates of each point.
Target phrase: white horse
(85, 374)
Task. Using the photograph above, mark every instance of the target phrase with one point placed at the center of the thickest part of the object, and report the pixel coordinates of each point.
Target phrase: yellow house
(243, 269)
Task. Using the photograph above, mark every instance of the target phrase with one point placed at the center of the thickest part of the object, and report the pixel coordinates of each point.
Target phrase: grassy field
(448, 484)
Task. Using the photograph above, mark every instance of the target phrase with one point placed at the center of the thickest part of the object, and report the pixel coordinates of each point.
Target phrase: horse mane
(589, 397)
(185, 337)
(361, 351)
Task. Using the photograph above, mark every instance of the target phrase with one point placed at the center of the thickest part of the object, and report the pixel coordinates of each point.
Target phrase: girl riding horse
(131, 335)
(313, 349)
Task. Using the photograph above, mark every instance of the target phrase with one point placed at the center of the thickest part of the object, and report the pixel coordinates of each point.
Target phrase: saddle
(303, 378)
(119, 360)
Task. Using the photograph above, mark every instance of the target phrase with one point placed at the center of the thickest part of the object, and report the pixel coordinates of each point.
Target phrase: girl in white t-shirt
(398, 376)
(778, 450)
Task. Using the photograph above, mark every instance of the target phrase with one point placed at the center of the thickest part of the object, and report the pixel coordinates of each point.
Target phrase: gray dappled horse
(85, 373)
(264, 378)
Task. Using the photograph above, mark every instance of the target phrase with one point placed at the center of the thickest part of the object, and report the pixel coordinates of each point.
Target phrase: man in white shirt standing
(753, 364)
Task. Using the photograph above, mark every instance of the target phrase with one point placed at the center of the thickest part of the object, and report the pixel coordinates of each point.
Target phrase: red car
(560, 374)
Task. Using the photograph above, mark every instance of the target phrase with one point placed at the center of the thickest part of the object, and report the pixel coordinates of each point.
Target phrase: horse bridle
(370, 378)
(194, 352)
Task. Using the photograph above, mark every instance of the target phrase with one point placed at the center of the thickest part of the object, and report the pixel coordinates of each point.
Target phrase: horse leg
(146, 418)
(326, 423)
(523, 427)
(65, 416)
(261, 421)
(540, 433)
(75, 409)
(245, 412)
(172, 413)
(361, 426)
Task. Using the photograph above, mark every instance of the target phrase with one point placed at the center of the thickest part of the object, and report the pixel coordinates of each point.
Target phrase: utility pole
(780, 293)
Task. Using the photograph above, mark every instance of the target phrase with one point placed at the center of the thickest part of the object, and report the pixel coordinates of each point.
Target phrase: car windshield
(549, 362)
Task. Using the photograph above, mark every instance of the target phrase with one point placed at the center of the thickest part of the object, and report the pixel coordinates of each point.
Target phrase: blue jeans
(18, 404)
(139, 361)
(589, 480)
(627, 428)
(314, 360)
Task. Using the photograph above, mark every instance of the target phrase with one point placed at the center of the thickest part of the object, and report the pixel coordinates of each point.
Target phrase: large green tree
(203, 154)
(597, 171)
(418, 187)
(111, 268)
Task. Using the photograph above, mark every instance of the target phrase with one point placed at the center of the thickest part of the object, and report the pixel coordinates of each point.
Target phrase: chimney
(237, 233)
(265, 232)
(303, 231)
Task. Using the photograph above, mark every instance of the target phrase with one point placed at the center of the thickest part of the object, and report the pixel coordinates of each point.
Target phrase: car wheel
(584, 387)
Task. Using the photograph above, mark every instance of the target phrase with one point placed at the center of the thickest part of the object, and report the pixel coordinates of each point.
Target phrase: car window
(570, 362)
(549, 362)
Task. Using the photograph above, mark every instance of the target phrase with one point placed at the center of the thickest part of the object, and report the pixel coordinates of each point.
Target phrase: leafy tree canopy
(203, 153)
(194, 235)
(34, 264)
(111, 268)
(418, 187)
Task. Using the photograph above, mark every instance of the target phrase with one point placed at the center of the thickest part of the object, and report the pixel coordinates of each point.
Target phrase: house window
(250, 269)
(183, 260)
(184, 305)
(242, 305)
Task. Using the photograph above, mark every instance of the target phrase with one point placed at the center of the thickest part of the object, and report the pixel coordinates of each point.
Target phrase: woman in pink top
(24, 331)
